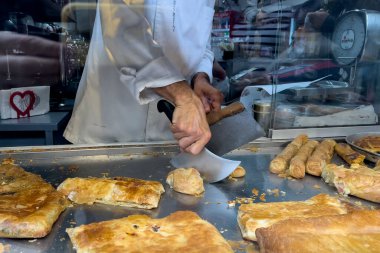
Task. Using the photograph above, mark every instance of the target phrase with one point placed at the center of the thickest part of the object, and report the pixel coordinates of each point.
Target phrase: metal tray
(350, 139)
(151, 162)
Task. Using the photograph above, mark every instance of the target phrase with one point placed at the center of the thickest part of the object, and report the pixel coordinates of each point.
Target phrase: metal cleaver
(235, 128)
(212, 167)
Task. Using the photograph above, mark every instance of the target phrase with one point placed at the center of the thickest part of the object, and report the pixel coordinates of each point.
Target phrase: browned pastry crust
(186, 181)
(182, 231)
(297, 165)
(369, 143)
(358, 181)
(281, 162)
(348, 154)
(259, 215)
(320, 157)
(121, 191)
(29, 206)
(357, 232)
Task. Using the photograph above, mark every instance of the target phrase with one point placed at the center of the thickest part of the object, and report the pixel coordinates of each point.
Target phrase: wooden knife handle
(232, 109)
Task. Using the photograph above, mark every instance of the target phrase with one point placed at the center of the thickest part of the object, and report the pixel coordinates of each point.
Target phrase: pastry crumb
(317, 186)
(276, 192)
(253, 149)
(105, 174)
(34, 240)
(262, 197)
(255, 192)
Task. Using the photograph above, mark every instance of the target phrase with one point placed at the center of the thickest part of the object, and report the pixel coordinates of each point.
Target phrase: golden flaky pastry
(121, 191)
(261, 215)
(359, 181)
(182, 231)
(186, 181)
(356, 232)
(238, 172)
(29, 206)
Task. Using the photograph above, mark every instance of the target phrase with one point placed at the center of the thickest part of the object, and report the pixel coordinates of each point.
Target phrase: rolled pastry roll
(281, 162)
(320, 157)
(348, 154)
(297, 165)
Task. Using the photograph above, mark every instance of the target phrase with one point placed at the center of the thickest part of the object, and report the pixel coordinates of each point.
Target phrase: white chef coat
(132, 50)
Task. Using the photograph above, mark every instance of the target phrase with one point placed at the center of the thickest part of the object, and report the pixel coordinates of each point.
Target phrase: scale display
(355, 37)
(349, 38)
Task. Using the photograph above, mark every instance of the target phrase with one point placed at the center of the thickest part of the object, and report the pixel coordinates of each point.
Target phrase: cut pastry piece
(182, 231)
(358, 232)
(321, 156)
(261, 215)
(297, 167)
(186, 181)
(281, 162)
(358, 181)
(120, 191)
(238, 172)
(348, 154)
(29, 206)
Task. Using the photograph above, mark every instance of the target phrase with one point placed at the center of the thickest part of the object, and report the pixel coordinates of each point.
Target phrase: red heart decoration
(32, 99)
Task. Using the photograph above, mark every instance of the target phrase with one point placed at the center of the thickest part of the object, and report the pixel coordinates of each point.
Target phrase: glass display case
(307, 65)
(323, 70)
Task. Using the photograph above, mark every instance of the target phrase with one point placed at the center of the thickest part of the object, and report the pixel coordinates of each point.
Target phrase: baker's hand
(211, 97)
(189, 123)
(28, 60)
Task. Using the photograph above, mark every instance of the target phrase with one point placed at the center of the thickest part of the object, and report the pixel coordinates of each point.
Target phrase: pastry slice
(29, 205)
(120, 191)
(359, 181)
(356, 232)
(182, 231)
(261, 215)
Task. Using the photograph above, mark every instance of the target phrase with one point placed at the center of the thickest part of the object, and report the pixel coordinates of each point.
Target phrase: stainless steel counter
(151, 162)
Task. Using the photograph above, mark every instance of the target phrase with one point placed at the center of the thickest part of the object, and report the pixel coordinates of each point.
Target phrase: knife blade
(235, 128)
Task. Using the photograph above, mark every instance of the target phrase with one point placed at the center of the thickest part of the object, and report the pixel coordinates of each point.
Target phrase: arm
(149, 74)
(201, 82)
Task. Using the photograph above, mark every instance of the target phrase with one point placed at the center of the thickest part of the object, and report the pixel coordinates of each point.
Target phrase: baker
(140, 52)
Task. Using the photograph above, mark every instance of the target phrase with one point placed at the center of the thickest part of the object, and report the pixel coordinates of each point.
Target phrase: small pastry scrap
(238, 172)
(187, 181)
(297, 165)
(321, 156)
(281, 162)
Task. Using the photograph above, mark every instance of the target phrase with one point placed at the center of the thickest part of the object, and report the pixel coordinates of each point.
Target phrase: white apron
(131, 51)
